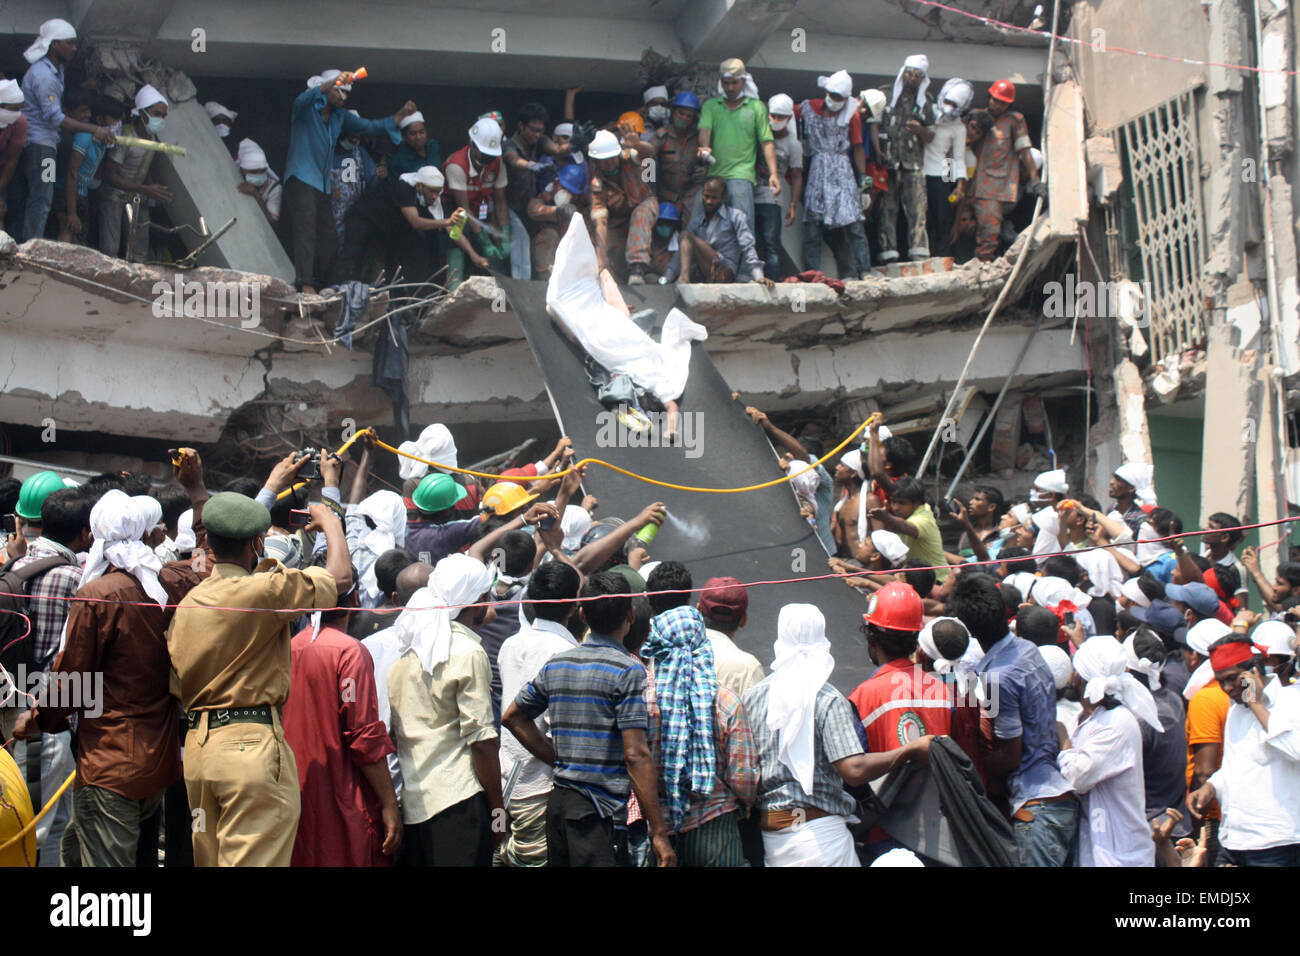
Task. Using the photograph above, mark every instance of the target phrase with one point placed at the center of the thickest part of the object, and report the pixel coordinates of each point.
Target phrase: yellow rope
(631, 474)
(44, 810)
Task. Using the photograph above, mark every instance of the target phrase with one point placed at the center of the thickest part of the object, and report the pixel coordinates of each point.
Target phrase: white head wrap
(1022, 514)
(1199, 637)
(119, 524)
(802, 665)
(854, 460)
(963, 668)
(1149, 547)
(147, 97)
(1048, 524)
(1276, 637)
(1142, 477)
(781, 105)
(1053, 481)
(918, 61)
(1134, 593)
(957, 90)
(416, 117)
(751, 88)
(1150, 668)
(1058, 662)
(899, 856)
(1051, 591)
(250, 155)
(430, 176)
(51, 30)
(185, 532)
(457, 579)
(388, 513)
(1023, 582)
(325, 77)
(434, 443)
(574, 523)
(11, 92)
(215, 109)
(889, 545)
(1103, 665)
(563, 129)
(841, 84)
(654, 92)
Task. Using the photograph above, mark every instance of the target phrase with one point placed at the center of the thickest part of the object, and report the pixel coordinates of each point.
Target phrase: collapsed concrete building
(1170, 182)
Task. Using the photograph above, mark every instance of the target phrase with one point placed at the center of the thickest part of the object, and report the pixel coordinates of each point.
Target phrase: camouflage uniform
(630, 210)
(996, 186)
(903, 155)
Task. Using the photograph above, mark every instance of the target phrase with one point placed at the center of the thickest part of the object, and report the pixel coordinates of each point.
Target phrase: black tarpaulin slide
(753, 536)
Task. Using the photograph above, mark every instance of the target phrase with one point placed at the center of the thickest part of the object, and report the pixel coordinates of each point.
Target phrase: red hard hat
(896, 607)
(1003, 90)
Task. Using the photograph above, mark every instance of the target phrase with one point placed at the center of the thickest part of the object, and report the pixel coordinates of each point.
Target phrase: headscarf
(1199, 637)
(801, 668)
(11, 92)
(51, 30)
(185, 541)
(841, 84)
(147, 97)
(963, 668)
(1149, 547)
(1134, 593)
(1103, 665)
(654, 92)
(416, 117)
(1048, 524)
(918, 61)
(215, 109)
(957, 90)
(387, 511)
(325, 77)
(889, 545)
(251, 156)
(574, 524)
(434, 443)
(119, 524)
(1142, 477)
(686, 685)
(751, 88)
(854, 460)
(424, 627)
(563, 129)
(1058, 663)
(1054, 481)
(1140, 664)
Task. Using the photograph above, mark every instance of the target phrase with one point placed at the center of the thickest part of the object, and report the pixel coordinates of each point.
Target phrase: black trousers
(940, 214)
(461, 835)
(313, 239)
(576, 833)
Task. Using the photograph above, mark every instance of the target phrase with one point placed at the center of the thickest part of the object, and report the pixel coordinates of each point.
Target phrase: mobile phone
(9, 524)
(547, 523)
(953, 506)
(299, 518)
(1069, 619)
(175, 455)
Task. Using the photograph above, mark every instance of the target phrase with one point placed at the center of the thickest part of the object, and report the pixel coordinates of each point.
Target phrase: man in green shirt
(733, 127)
(909, 517)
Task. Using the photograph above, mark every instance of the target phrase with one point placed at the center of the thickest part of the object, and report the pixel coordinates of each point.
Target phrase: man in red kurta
(331, 720)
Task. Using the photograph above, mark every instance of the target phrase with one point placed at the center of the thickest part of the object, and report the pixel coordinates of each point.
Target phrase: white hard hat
(604, 145)
(486, 135)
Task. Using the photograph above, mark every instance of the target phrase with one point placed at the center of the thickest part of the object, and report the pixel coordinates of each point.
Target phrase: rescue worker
(1001, 153)
(903, 135)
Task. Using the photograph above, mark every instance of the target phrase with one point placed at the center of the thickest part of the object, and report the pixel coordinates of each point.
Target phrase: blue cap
(1199, 597)
(1161, 617)
(573, 178)
(668, 210)
(688, 99)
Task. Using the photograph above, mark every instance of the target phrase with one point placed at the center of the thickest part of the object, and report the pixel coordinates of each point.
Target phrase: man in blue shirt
(53, 49)
(319, 118)
(1020, 696)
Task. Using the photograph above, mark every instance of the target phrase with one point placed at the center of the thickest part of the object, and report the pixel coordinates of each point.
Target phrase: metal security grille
(1162, 152)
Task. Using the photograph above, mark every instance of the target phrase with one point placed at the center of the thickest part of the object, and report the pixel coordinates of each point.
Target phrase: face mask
(155, 125)
(779, 124)
(256, 179)
(563, 196)
(683, 124)
(223, 130)
(116, 128)
(663, 232)
(419, 197)
(658, 114)
(9, 117)
(834, 103)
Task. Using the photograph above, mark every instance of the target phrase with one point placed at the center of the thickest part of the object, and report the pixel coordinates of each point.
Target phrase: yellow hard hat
(505, 497)
(733, 66)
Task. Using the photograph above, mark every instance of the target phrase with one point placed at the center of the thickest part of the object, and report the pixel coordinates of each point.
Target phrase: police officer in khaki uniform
(233, 669)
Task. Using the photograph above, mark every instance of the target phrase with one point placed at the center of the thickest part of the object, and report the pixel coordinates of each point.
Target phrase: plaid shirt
(736, 784)
(55, 585)
(835, 737)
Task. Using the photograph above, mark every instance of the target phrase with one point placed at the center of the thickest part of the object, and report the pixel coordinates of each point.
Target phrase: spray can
(646, 534)
(458, 227)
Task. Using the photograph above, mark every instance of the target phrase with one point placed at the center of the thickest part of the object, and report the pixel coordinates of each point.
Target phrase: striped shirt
(593, 692)
(835, 737)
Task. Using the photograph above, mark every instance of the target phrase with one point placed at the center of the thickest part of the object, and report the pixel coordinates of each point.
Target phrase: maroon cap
(727, 603)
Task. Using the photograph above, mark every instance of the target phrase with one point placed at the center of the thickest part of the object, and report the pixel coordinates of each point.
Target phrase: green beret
(631, 575)
(231, 515)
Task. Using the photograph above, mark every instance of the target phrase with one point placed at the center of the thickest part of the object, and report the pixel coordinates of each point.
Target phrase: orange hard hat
(505, 497)
(896, 607)
(1003, 91)
(636, 120)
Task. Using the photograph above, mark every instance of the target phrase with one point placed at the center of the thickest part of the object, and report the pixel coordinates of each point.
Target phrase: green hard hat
(34, 492)
(437, 492)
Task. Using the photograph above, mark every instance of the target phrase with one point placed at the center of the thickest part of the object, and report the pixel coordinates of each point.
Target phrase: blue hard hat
(573, 178)
(668, 210)
(688, 99)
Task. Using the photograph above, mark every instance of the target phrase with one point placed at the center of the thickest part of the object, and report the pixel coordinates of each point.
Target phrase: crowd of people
(304, 669)
(676, 189)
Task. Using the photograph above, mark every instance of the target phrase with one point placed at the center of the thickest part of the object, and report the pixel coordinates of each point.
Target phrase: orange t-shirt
(1207, 712)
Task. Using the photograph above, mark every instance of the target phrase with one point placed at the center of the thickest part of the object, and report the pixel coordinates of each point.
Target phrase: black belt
(232, 715)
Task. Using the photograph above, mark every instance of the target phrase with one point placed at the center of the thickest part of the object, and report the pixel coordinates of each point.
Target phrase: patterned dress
(830, 195)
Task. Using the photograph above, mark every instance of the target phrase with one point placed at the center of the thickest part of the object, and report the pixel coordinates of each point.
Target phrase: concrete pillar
(203, 184)
(1134, 438)
(1234, 430)
(1270, 490)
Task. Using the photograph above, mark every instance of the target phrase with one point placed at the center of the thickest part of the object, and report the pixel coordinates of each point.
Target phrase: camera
(299, 518)
(9, 524)
(310, 469)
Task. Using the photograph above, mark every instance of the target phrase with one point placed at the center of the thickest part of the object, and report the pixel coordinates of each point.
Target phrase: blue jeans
(740, 195)
(1288, 855)
(40, 189)
(848, 245)
(521, 263)
(767, 233)
(1048, 840)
